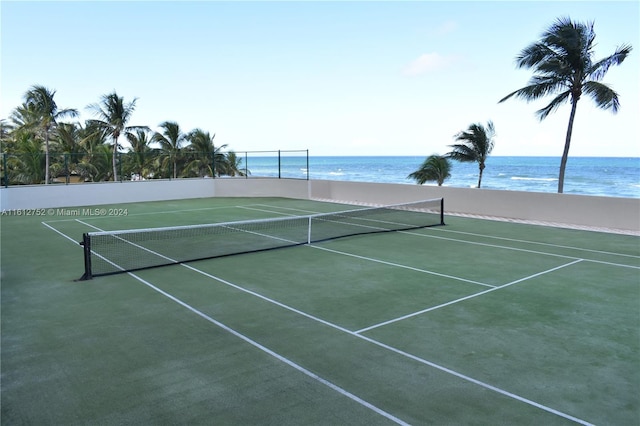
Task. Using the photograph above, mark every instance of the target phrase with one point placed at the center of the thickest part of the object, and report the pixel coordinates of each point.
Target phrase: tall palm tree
(171, 141)
(40, 99)
(434, 168)
(476, 143)
(563, 65)
(113, 115)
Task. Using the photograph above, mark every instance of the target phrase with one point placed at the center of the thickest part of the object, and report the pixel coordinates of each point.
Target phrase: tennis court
(476, 322)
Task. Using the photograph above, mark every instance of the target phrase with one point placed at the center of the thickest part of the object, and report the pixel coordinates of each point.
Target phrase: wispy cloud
(446, 28)
(428, 62)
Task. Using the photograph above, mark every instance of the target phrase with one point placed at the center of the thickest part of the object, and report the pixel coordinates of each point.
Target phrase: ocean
(601, 176)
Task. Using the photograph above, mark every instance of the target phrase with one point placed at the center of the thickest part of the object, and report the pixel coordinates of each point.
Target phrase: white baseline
(380, 344)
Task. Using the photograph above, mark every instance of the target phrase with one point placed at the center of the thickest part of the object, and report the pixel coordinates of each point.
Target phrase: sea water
(602, 176)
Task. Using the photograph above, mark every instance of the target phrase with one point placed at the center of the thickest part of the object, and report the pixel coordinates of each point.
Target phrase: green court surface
(476, 322)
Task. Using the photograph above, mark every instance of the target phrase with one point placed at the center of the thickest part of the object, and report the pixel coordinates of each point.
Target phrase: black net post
(86, 244)
(442, 211)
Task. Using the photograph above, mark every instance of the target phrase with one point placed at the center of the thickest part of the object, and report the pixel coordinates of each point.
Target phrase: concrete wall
(602, 212)
(261, 187)
(90, 194)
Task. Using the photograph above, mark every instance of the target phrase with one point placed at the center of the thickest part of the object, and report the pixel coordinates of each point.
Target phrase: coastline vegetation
(38, 147)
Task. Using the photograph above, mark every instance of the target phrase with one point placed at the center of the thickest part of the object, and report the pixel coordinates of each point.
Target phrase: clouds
(434, 61)
(429, 62)
(446, 28)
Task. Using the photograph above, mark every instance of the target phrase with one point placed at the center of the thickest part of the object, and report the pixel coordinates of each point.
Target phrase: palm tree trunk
(567, 143)
(113, 159)
(480, 175)
(46, 158)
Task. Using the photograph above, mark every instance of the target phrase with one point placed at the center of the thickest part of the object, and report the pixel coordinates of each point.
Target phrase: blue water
(602, 176)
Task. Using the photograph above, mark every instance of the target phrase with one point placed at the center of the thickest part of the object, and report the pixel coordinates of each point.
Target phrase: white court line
(275, 354)
(397, 265)
(622, 265)
(140, 214)
(385, 262)
(252, 342)
(499, 246)
(433, 308)
(380, 344)
(539, 243)
(248, 207)
(64, 235)
(475, 243)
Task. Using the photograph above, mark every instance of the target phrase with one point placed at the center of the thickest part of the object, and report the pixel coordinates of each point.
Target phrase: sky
(333, 77)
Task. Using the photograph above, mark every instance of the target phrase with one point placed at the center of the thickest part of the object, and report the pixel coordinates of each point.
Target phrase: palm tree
(69, 142)
(434, 168)
(26, 166)
(113, 115)
(142, 155)
(563, 65)
(234, 165)
(96, 165)
(203, 154)
(5, 143)
(100, 169)
(476, 145)
(40, 100)
(171, 141)
(5, 131)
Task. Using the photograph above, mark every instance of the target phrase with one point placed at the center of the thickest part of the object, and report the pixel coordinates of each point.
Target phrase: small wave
(336, 173)
(534, 179)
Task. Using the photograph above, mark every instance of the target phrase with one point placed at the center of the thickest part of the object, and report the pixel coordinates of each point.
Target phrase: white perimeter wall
(602, 212)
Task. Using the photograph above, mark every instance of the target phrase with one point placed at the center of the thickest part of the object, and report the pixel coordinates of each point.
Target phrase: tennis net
(112, 252)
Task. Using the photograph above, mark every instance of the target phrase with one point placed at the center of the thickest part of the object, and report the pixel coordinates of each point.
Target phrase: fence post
(307, 164)
(120, 165)
(213, 163)
(279, 175)
(66, 168)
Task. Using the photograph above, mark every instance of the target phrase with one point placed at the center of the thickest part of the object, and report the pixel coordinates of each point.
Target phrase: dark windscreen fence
(112, 252)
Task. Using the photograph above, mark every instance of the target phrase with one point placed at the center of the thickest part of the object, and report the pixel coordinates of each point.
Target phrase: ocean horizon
(598, 176)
